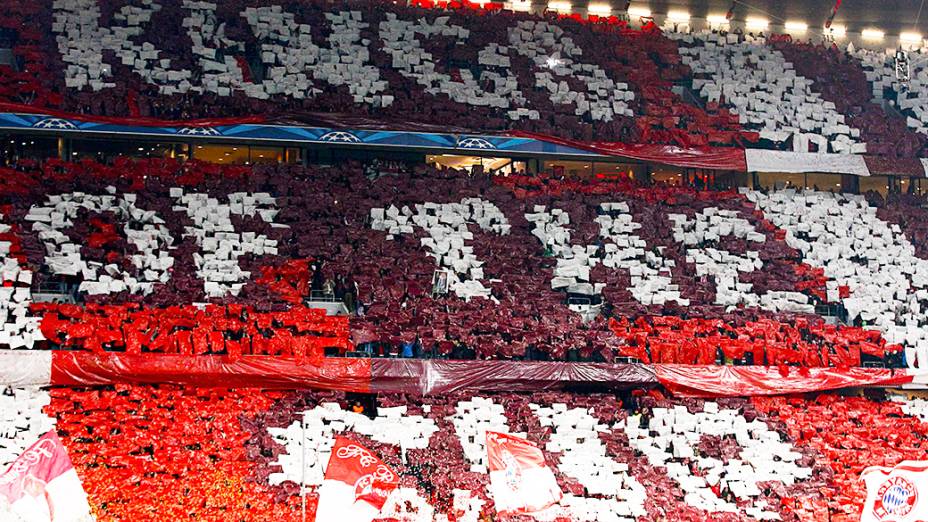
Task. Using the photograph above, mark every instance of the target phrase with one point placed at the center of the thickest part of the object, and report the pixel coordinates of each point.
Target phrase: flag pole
(303, 465)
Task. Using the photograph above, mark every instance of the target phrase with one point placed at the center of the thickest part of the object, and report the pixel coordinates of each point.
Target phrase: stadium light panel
(910, 37)
(678, 16)
(872, 34)
(717, 20)
(757, 24)
(599, 9)
(639, 12)
(837, 30)
(793, 26)
(560, 7)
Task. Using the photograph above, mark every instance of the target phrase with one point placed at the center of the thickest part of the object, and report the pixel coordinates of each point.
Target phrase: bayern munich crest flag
(520, 480)
(898, 494)
(356, 484)
(42, 486)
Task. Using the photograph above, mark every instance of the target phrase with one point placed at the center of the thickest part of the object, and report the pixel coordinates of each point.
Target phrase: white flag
(520, 480)
(898, 494)
(42, 486)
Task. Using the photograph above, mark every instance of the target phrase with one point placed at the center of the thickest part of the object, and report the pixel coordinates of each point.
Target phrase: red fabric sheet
(143, 122)
(416, 376)
(431, 377)
(427, 377)
(92, 369)
(718, 158)
(739, 381)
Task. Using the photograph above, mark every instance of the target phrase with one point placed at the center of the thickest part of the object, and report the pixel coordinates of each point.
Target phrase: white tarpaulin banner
(759, 160)
(898, 494)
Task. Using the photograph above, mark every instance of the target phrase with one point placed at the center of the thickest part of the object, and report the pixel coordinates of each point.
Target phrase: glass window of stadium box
(669, 176)
(881, 184)
(13, 147)
(780, 180)
(917, 186)
(477, 164)
(291, 155)
(569, 169)
(226, 154)
(108, 150)
(699, 178)
(812, 181)
(827, 182)
(267, 155)
(617, 171)
(729, 179)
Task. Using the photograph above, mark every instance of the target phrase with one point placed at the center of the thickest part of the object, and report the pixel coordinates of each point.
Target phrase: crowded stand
(626, 320)
(539, 268)
(766, 92)
(217, 454)
(482, 70)
(880, 70)
(841, 80)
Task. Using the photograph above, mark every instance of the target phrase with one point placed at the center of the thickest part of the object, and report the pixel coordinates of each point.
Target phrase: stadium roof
(892, 16)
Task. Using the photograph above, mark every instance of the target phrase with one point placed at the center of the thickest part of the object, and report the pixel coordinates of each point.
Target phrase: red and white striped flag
(898, 494)
(42, 486)
(520, 480)
(356, 484)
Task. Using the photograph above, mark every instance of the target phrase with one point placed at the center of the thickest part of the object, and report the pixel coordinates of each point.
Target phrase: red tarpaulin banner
(42, 486)
(716, 158)
(743, 381)
(90, 369)
(362, 375)
(440, 376)
(19, 108)
(427, 377)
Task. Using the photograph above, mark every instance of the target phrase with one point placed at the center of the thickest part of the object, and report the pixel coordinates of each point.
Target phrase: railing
(55, 291)
(7, 58)
(835, 310)
(323, 297)
(684, 91)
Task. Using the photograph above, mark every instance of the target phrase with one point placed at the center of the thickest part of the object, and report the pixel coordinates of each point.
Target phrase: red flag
(520, 480)
(42, 486)
(356, 484)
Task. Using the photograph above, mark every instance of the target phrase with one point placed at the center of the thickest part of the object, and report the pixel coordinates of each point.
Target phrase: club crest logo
(513, 470)
(895, 498)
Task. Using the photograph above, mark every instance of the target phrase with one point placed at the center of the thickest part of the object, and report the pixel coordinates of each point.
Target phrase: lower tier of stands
(166, 453)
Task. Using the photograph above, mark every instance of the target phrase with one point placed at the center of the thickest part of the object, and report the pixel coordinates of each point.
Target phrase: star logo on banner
(340, 137)
(54, 123)
(475, 143)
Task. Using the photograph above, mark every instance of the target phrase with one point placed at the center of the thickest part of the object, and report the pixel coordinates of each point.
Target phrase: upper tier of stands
(362, 61)
(387, 65)
(456, 265)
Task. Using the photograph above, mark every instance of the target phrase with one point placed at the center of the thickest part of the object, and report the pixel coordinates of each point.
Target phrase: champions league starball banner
(898, 494)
